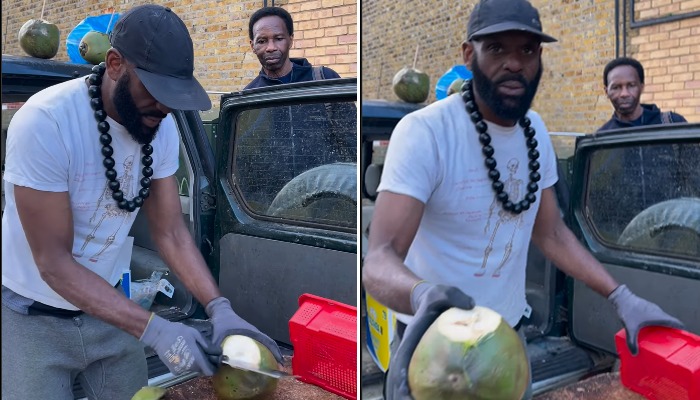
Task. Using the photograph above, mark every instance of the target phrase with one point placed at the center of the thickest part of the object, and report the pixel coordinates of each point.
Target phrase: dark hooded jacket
(301, 72)
(651, 115)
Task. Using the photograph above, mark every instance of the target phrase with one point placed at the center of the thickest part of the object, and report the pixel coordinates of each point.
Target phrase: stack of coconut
(40, 38)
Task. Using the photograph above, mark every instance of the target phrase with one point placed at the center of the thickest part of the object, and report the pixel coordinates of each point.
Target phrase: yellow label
(380, 323)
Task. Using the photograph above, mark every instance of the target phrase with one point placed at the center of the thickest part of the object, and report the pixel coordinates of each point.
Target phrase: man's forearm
(185, 260)
(95, 296)
(387, 279)
(563, 249)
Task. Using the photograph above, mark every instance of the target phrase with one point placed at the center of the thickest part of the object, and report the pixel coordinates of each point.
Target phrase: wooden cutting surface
(287, 389)
(600, 387)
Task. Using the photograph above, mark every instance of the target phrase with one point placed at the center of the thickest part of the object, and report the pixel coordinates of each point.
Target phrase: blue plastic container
(458, 71)
(100, 23)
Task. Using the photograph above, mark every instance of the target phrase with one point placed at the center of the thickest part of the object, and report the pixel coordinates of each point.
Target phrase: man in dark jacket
(271, 32)
(648, 174)
(303, 136)
(624, 83)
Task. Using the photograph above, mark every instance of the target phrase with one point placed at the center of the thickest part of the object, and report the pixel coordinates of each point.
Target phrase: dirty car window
(298, 162)
(647, 197)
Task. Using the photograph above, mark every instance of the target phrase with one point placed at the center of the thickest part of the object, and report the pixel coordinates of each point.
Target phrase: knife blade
(223, 359)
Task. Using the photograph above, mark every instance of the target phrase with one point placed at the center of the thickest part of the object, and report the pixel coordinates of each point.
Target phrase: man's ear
(251, 44)
(115, 63)
(291, 41)
(467, 53)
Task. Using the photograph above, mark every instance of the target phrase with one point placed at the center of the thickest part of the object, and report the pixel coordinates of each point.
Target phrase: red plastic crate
(667, 366)
(324, 335)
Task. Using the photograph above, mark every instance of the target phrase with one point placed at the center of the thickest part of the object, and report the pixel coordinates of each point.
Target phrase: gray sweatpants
(43, 355)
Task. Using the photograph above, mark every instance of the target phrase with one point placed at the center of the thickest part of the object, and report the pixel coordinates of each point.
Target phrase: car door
(636, 206)
(286, 190)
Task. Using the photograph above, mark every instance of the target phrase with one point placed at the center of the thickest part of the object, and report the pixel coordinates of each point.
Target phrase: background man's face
(271, 42)
(507, 69)
(624, 89)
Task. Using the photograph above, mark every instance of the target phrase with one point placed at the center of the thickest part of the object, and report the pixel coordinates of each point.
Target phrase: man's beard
(130, 114)
(510, 108)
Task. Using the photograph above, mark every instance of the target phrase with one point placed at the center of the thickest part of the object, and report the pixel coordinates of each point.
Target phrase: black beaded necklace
(95, 80)
(490, 162)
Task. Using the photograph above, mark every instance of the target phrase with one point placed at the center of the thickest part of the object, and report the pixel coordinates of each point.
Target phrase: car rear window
(298, 162)
(647, 197)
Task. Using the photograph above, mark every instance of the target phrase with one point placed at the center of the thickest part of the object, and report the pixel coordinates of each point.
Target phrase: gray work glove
(428, 301)
(182, 348)
(225, 322)
(636, 313)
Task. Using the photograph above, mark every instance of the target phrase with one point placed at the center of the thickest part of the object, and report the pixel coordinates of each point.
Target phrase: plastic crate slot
(325, 344)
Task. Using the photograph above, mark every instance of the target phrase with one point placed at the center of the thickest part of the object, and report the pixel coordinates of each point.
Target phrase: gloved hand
(181, 348)
(428, 301)
(636, 313)
(225, 322)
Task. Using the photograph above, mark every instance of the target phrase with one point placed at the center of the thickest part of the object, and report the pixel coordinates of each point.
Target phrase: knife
(223, 359)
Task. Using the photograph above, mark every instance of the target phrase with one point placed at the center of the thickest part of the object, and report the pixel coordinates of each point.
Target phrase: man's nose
(271, 46)
(513, 64)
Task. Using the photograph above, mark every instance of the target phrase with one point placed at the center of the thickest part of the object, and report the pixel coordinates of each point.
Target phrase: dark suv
(631, 196)
(272, 224)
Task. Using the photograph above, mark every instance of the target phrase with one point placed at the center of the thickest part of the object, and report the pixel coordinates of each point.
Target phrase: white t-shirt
(465, 239)
(53, 145)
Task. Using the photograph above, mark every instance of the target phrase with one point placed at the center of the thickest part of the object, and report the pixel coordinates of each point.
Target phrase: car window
(298, 162)
(646, 197)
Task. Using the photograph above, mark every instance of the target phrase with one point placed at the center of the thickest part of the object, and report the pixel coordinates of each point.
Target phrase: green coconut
(39, 38)
(236, 384)
(455, 86)
(411, 85)
(93, 47)
(469, 355)
(149, 393)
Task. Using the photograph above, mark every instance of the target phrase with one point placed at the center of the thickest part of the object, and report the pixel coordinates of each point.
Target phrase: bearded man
(467, 185)
(103, 145)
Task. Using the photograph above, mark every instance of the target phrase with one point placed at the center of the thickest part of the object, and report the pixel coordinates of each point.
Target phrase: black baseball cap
(155, 39)
(495, 16)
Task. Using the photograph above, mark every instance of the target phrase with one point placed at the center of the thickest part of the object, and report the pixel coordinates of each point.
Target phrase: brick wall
(325, 32)
(670, 53)
(571, 96)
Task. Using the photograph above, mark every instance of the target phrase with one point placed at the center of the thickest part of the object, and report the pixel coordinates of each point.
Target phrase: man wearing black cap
(467, 184)
(64, 224)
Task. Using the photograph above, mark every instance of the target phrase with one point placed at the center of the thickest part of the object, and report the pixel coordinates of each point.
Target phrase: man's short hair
(271, 11)
(623, 61)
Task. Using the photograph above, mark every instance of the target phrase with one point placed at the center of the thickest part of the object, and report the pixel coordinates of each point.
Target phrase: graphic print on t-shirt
(111, 210)
(506, 220)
